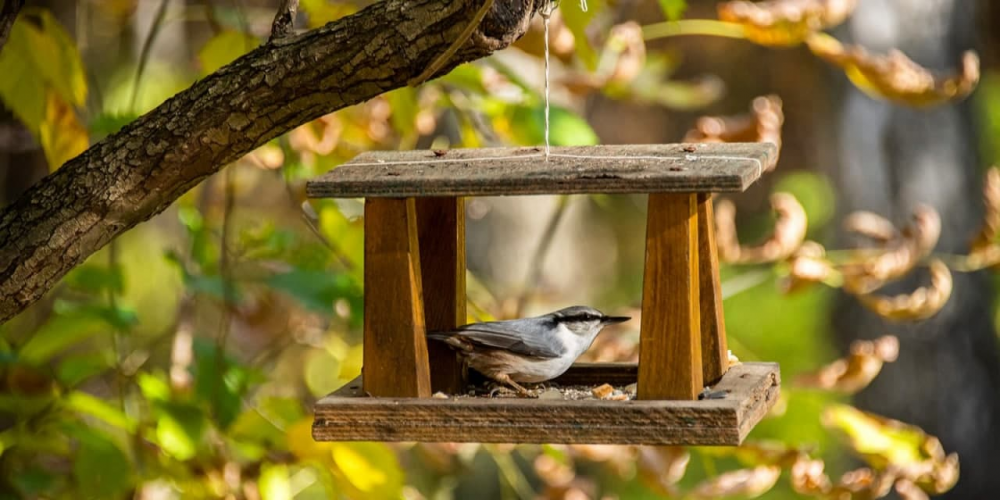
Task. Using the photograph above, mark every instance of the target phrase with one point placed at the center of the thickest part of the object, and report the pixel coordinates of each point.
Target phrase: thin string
(546, 13)
(547, 16)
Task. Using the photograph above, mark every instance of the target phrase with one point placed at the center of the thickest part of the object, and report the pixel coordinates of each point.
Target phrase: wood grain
(395, 344)
(714, 349)
(670, 332)
(751, 389)
(661, 168)
(441, 230)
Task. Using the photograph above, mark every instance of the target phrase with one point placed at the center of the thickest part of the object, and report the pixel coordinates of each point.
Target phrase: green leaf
(100, 467)
(106, 124)
(404, 106)
(180, 429)
(223, 48)
(577, 21)
(95, 279)
(673, 9)
(154, 387)
(58, 334)
(219, 381)
(317, 290)
(24, 95)
(95, 407)
(274, 483)
(566, 127)
(73, 370)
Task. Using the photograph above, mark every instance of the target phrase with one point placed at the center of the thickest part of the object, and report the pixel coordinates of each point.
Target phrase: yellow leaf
(371, 469)
(785, 23)
(62, 135)
(223, 48)
(321, 12)
(43, 57)
(274, 483)
(894, 76)
(302, 444)
(880, 440)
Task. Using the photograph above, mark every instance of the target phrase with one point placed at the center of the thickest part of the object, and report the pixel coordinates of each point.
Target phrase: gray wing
(523, 337)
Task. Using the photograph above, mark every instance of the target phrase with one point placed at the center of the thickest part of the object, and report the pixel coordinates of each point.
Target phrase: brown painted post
(441, 229)
(395, 344)
(670, 335)
(714, 351)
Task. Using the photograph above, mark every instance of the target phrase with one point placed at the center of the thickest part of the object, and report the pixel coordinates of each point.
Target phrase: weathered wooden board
(714, 347)
(441, 236)
(751, 389)
(670, 333)
(662, 168)
(395, 341)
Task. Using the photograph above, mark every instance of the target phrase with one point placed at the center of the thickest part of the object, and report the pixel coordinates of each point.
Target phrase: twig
(688, 27)
(147, 47)
(284, 19)
(8, 13)
(438, 62)
(227, 286)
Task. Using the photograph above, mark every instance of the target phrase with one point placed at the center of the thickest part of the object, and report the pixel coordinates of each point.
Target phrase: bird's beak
(613, 320)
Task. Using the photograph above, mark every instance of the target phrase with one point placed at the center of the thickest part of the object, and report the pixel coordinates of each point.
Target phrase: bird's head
(585, 321)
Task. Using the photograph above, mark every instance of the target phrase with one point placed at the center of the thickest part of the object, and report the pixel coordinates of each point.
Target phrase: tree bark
(139, 171)
(8, 14)
(947, 378)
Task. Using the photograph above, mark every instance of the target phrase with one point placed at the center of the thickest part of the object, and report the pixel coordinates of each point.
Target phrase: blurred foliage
(181, 362)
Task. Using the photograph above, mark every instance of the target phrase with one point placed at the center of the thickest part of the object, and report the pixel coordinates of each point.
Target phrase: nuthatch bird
(531, 349)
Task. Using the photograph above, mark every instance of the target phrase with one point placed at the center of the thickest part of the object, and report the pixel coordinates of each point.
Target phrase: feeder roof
(659, 168)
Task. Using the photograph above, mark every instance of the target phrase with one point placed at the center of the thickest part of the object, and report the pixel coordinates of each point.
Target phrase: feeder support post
(670, 365)
(441, 229)
(395, 343)
(714, 350)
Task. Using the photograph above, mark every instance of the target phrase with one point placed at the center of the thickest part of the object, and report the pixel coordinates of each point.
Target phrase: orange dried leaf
(763, 124)
(898, 257)
(808, 478)
(744, 482)
(871, 225)
(789, 232)
(553, 472)
(785, 23)
(856, 371)
(923, 303)
(862, 483)
(807, 265)
(894, 76)
(991, 217)
(662, 467)
(726, 238)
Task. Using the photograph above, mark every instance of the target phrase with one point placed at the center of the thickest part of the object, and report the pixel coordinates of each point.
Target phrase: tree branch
(8, 13)
(138, 172)
(284, 19)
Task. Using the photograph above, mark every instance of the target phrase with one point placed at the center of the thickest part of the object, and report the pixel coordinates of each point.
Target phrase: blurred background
(183, 360)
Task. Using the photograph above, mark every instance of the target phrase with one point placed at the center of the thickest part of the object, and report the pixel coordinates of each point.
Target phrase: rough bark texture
(134, 174)
(947, 378)
(8, 13)
(284, 19)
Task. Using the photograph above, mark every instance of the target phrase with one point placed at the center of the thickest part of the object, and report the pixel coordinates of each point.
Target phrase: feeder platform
(415, 282)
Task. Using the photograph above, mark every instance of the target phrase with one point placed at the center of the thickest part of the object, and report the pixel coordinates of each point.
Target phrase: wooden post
(670, 334)
(714, 351)
(441, 229)
(395, 344)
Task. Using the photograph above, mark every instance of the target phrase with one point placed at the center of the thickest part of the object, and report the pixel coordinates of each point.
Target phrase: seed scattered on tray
(603, 392)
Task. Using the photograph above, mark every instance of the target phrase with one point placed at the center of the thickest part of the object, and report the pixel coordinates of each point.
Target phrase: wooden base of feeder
(751, 389)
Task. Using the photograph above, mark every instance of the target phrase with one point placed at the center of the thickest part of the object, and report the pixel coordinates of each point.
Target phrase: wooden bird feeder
(415, 281)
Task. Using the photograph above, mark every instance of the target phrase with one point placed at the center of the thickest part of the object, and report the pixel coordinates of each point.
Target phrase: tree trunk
(136, 173)
(947, 378)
